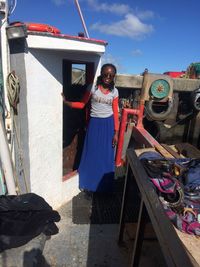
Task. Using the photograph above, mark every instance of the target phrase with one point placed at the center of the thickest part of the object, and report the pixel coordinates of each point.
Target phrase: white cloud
(136, 52)
(58, 2)
(131, 26)
(145, 14)
(119, 9)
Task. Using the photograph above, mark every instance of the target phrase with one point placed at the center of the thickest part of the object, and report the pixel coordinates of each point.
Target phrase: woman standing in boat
(96, 169)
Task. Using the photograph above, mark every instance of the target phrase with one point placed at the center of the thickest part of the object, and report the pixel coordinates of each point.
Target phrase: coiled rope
(13, 90)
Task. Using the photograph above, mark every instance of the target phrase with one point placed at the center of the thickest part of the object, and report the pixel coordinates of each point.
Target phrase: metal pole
(6, 160)
(5, 155)
(82, 19)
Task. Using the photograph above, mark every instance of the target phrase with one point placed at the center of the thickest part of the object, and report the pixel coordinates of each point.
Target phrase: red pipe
(139, 113)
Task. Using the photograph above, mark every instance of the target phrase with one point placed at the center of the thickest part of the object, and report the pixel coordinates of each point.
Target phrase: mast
(82, 19)
(5, 154)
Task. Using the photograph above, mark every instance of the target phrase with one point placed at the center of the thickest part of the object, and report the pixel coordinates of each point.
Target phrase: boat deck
(88, 234)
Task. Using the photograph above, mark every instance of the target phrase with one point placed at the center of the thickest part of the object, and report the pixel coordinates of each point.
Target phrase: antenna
(82, 19)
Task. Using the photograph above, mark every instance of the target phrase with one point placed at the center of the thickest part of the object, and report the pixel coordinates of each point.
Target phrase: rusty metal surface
(69, 155)
(73, 138)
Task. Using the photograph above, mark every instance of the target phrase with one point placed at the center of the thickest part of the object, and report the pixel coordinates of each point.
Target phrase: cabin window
(78, 74)
(76, 77)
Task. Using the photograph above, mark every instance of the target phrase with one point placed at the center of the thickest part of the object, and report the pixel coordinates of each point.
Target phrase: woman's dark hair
(99, 78)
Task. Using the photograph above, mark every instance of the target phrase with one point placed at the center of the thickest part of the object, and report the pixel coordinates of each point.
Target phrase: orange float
(38, 27)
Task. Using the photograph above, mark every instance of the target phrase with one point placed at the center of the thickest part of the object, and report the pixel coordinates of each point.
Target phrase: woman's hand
(63, 96)
(65, 101)
(115, 139)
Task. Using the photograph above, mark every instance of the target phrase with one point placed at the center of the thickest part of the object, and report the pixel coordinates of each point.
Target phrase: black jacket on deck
(24, 217)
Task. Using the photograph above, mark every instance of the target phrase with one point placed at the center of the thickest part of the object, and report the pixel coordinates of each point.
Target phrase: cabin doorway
(76, 77)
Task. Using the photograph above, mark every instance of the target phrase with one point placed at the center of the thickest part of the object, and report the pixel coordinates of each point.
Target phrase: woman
(96, 169)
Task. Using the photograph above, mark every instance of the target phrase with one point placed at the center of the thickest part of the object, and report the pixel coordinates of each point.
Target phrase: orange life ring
(38, 27)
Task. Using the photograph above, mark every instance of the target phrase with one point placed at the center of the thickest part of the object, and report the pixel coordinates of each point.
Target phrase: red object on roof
(45, 28)
(39, 27)
(174, 74)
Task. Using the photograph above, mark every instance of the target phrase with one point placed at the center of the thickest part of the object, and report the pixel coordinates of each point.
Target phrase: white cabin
(43, 63)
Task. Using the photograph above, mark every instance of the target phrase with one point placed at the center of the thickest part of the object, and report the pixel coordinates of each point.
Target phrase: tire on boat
(161, 113)
(195, 98)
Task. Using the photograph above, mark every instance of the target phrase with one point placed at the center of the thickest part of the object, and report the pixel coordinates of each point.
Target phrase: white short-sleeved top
(101, 104)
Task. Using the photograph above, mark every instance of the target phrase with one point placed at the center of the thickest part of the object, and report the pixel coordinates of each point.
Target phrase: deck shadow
(105, 208)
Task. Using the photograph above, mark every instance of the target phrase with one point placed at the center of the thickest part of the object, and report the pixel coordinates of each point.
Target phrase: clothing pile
(177, 183)
(24, 217)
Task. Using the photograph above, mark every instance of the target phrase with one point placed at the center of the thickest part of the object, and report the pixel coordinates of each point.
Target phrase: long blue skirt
(96, 169)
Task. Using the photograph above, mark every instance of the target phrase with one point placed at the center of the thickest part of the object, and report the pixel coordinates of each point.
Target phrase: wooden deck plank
(192, 245)
(172, 151)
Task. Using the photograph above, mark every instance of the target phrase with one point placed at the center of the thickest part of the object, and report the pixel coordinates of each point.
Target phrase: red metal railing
(138, 130)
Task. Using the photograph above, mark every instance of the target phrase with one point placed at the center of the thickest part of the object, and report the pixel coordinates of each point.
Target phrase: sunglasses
(108, 75)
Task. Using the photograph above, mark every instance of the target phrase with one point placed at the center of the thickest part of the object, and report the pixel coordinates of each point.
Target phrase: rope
(13, 89)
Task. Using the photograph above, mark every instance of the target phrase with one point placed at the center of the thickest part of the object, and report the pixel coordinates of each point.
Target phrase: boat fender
(37, 27)
(158, 115)
(195, 96)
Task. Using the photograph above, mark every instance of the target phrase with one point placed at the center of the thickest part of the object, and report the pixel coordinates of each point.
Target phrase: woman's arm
(115, 107)
(78, 105)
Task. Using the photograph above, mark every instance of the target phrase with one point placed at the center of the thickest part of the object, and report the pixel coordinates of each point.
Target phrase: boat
(43, 138)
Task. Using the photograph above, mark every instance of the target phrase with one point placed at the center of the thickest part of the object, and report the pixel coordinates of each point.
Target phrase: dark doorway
(76, 77)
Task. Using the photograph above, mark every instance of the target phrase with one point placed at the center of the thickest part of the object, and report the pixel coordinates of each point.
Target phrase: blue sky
(158, 35)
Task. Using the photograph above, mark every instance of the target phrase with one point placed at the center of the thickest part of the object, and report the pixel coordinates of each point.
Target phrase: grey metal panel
(135, 82)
